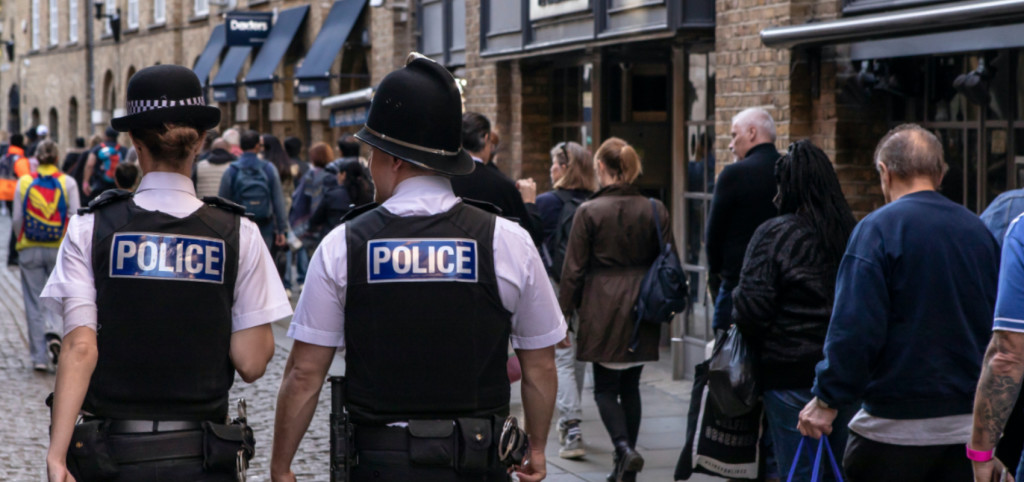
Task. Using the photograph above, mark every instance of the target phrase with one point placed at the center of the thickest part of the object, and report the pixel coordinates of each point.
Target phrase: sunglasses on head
(565, 152)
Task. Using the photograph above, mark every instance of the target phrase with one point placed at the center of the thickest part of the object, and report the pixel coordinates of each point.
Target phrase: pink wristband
(979, 455)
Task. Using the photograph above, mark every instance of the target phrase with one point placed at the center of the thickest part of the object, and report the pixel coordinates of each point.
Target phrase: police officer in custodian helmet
(424, 293)
(165, 297)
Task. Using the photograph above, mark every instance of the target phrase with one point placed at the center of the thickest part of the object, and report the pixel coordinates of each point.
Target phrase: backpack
(109, 156)
(664, 289)
(7, 166)
(554, 247)
(251, 188)
(46, 210)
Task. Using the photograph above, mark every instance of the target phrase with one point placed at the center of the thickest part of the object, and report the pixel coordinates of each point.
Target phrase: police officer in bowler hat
(424, 292)
(165, 298)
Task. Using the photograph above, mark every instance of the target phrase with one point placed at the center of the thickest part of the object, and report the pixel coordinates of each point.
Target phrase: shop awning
(314, 75)
(900, 23)
(210, 54)
(225, 83)
(259, 82)
(349, 109)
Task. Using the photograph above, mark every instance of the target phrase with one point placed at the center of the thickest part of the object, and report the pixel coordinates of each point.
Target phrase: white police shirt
(523, 284)
(259, 295)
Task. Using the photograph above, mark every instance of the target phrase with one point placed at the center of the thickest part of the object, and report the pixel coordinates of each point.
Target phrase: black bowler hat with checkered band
(164, 94)
(416, 116)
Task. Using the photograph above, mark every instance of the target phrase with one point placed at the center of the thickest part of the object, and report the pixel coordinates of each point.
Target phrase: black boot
(627, 460)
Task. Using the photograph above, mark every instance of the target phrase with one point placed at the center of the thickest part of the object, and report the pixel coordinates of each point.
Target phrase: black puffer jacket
(784, 301)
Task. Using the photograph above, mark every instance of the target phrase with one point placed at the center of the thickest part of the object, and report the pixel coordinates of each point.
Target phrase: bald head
(751, 127)
(220, 143)
(909, 151)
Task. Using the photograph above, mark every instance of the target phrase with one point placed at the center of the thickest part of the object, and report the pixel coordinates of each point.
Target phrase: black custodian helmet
(416, 116)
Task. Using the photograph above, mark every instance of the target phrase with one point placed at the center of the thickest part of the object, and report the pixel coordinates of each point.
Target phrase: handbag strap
(832, 459)
(816, 475)
(796, 460)
(657, 222)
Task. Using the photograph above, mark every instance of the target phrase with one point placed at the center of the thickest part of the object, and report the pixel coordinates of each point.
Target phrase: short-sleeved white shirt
(523, 284)
(259, 296)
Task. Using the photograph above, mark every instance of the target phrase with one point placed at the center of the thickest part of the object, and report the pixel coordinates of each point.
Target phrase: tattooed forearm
(996, 396)
(998, 388)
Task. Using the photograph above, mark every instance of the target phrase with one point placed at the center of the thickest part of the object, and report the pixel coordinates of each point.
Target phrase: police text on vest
(169, 257)
(409, 260)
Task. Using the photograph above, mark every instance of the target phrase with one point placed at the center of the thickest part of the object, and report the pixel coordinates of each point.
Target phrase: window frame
(54, 21)
(132, 18)
(201, 7)
(73, 21)
(35, 25)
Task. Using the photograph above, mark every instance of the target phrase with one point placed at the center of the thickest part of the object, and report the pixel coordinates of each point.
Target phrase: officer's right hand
(57, 471)
(535, 468)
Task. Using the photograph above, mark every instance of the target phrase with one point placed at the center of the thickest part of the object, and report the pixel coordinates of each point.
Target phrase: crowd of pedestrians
(899, 336)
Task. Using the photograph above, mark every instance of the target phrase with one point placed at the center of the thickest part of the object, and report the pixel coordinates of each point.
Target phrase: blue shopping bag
(816, 475)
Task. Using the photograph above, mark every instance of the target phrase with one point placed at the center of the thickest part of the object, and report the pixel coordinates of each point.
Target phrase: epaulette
(486, 206)
(231, 207)
(107, 198)
(356, 211)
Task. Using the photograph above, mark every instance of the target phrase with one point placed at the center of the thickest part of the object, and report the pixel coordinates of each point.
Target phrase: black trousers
(870, 461)
(12, 254)
(617, 393)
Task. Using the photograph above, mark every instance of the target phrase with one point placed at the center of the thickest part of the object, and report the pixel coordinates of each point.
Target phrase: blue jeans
(723, 306)
(782, 410)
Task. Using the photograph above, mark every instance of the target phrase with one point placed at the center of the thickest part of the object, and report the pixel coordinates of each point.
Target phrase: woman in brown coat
(611, 246)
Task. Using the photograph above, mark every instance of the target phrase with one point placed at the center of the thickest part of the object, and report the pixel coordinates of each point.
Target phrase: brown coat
(611, 246)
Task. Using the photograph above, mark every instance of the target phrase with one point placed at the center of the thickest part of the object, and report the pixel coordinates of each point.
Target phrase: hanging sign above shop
(551, 8)
(248, 28)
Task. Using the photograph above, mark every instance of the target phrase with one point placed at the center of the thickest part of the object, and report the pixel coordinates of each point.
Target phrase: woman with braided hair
(784, 299)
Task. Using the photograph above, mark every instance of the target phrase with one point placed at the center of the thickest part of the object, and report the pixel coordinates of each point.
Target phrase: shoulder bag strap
(657, 222)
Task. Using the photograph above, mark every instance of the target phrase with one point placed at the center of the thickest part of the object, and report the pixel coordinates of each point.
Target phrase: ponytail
(620, 160)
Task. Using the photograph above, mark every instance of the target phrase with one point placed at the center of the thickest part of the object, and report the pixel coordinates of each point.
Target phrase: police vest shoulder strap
(108, 198)
(358, 210)
(486, 206)
(231, 207)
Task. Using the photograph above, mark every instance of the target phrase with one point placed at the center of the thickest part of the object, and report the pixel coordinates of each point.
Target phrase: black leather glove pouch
(89, 456)
(432, 442)
(475, 451)
(221, 443)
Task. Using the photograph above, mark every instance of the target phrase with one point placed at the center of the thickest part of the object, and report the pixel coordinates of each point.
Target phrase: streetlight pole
(90, 74)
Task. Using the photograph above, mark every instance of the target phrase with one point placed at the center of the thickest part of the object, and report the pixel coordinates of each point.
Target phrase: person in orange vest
(13, 165)
(43, 204)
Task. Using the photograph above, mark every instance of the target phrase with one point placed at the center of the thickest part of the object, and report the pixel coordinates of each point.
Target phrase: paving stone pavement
(24, 439)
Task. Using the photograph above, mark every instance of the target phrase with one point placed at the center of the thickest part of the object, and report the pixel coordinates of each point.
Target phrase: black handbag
(664, 289)
(732, 381)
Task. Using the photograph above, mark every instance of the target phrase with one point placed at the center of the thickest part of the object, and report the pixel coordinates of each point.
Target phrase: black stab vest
(163, 342)
(418, 348)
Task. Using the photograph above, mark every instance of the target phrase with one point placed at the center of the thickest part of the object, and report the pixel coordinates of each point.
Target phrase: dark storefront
(954, 68)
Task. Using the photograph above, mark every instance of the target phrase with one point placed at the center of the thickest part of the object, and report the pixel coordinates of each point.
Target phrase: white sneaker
(572, 443)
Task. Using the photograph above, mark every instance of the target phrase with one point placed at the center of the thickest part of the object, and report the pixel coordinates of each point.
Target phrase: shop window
(698, 93)
(570, 105)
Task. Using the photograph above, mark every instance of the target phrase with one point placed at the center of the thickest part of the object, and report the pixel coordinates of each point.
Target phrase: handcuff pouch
(221, 443)
(89, 455)
(476, 439)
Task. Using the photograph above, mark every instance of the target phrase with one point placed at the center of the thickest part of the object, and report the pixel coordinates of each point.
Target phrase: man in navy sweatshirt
(913, 313)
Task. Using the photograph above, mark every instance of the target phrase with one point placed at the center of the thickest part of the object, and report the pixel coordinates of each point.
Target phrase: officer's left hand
(58, 472)
(534, 469)
(280, 239)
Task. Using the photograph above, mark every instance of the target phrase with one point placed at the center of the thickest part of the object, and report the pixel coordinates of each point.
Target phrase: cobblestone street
(25, 440)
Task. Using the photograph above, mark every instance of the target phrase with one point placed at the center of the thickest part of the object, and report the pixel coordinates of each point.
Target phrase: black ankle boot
(627, 460)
